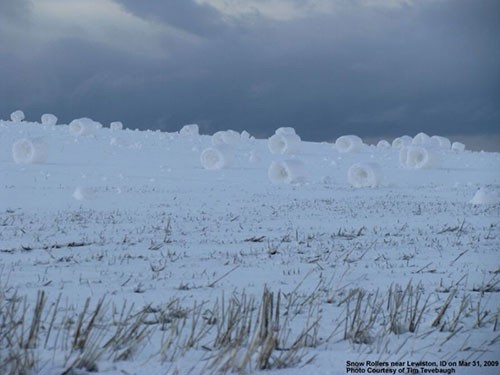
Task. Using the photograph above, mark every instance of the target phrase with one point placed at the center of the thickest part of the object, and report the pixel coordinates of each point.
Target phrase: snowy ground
(155, 231)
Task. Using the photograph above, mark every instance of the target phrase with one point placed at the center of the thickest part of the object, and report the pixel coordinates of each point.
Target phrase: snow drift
(287, 171)
(253, 157)
(348, 143)
(29, 151)
(414, 157)
(284, 143)
(217, 157)
(485, 196)
(362, 175)
(84, 193)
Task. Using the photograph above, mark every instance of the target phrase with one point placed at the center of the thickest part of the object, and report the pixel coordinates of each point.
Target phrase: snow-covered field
(120, 253)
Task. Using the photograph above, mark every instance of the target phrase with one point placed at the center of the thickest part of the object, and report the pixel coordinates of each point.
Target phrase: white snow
(135, 219)
(441, 142)
(414, 157)
(190, 130)
(285, 143)
(367, 174)
(253, 157)
(245, 136)
(383, 144)
(486, 196)
(226, 137)
(285, 130)
(424, 140)
(48, 119)
(83, 126)
(29, 151)
(348, 143)
(404, 140)
(116, 125)
(458, 146)
(287, 171)
(84, 193)
(17, 116)
(217, 157)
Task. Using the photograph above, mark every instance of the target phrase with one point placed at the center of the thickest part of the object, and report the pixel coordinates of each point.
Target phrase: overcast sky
(326, 67)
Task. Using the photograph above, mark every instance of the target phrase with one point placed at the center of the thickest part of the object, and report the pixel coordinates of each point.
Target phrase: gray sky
(326, 67)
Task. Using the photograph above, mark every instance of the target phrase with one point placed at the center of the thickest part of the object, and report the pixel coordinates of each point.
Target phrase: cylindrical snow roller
(84, 193)
(227, 137)
(116, 126)
(83, 126)
(284, 144)
(402, 141)
(190, 130)
(17, 116)
(216, 138)
(383, 144)
(403, 156)
(48, 119)
(29, 151)
(362, 175)
(348, 143)
(441, 142)
(414, 157)
(287, 171)
(285, 130)
(457, 146)
(422, 139)
(217, 157)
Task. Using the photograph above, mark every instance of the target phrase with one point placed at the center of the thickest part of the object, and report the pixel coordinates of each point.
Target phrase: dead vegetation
(239, 334)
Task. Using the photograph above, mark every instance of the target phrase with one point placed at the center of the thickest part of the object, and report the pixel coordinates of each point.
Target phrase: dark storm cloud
(13, 11)
(433, 66)
(199, 19)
